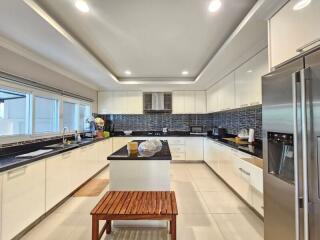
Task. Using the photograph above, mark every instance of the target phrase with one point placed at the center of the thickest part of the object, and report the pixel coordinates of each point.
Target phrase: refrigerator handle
(296, 165)
(304, 155)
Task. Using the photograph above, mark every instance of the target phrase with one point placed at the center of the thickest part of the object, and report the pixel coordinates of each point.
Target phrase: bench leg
(108, 229)
(95, 228)
(173, 228)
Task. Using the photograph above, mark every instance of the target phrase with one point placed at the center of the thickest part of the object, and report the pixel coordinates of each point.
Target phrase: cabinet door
(212, 100)
(178, 103)
(200, 102)
(248, 80)
(134, 102)
(226, 91)
(58, 186)
(189, 102)
(23, 199)
(105, 102)
(257, 201)
(290, 30)
(194, 148)
(119, 101)
(243, 173)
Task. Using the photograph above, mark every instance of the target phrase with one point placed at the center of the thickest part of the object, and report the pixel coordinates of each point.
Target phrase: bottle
(79, 138)
(76, 136)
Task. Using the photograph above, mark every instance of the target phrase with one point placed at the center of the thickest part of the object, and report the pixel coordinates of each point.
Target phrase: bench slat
(137, 203)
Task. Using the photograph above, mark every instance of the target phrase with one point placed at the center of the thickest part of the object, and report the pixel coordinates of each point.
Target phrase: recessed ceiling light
(249, 71)
(82, 6)
(185, 73)
(214, 5)
(301, 4)
(128, 72)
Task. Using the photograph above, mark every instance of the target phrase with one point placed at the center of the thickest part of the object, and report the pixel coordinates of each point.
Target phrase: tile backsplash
(232, 120)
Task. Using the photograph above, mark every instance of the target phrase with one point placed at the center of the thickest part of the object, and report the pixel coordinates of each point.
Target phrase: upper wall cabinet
(188, 102)
(227, 92)
(291, 30)
(248, 80)
(120, 102)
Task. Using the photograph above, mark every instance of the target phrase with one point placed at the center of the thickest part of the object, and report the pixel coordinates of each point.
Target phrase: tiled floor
(208, 210)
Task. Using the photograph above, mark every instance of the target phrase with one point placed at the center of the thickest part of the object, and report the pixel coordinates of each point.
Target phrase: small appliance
(197, 130)
(219, 132)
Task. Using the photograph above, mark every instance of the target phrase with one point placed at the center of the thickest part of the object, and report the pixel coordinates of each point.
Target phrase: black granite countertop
(9, 160)
(154, 134)
(252, 149)
(122, 153)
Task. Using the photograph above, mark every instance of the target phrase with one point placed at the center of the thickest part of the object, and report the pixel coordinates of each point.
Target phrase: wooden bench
(134, 205)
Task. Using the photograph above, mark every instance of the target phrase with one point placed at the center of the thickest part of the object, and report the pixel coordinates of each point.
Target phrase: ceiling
(155, 40)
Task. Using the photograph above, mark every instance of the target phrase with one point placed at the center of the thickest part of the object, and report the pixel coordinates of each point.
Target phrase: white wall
(17, 65)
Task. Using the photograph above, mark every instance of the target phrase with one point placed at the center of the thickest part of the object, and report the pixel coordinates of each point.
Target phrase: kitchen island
(138, 172)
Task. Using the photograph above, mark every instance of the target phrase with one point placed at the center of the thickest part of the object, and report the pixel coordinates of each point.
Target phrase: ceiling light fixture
(128, 72)
(214, 5)
(184, 73)
(249, 71)
(82, 6)
(301, 4)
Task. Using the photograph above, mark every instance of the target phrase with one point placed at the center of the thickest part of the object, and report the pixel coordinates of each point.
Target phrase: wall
(233, 121)
(20, 66)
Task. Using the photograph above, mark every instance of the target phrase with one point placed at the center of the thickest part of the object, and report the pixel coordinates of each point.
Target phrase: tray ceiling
(155, 39)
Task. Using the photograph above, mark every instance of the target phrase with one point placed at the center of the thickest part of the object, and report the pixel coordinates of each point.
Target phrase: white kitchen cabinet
(178, 102)
(257, 201)
(248, 80)
(290, 30)
(243, 174)
(105, 102)
(104, 149)
(59, 171)
(119, 142)
(23, 199)
(200, 102)
(194, 148)
(134, 103)
(213, 99)
(120, 102)
(188, 102)
(226, 92)
(0, 205)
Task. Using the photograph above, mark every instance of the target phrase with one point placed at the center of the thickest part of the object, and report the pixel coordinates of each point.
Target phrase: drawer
(178, 156)
(176, 141)
(177, 148)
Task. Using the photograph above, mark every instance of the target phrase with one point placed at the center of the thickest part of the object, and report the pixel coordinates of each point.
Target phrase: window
(85, 113)
(46, 115)
(70, 116)
(14, 113)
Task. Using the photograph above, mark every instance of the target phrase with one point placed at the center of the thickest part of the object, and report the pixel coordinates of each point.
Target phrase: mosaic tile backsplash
(232, 120)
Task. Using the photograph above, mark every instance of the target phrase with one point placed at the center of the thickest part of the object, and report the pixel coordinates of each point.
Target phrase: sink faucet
(63, 135)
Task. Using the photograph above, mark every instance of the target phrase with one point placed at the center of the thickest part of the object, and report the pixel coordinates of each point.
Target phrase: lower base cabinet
(245, 178)
(23, 198)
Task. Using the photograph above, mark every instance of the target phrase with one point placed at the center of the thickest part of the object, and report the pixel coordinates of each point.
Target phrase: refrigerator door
(312, 76)
(277, 117)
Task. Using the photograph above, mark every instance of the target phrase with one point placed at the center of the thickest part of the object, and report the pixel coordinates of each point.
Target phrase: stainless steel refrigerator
(291, 141)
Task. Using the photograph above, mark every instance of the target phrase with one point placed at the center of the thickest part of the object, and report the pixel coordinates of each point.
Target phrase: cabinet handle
(300, 49)
(17, 172)
(244, 171)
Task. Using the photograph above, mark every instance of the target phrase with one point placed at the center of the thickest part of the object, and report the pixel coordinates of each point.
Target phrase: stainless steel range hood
(157, 102)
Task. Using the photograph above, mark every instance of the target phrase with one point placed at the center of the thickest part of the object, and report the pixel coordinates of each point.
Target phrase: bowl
(127, 133)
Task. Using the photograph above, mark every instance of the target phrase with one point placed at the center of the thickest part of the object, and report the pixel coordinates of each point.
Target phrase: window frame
(28, 117)
(32, 93)
(50, 96)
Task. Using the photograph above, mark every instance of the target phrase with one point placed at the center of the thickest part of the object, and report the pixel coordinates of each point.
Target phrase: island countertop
(122, 153)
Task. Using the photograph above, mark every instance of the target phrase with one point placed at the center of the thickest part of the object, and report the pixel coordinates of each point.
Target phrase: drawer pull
(244, 171)
(300, 50)
(17, 172)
